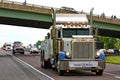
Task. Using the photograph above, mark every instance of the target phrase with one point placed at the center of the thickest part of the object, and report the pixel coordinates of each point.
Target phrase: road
(112, 72)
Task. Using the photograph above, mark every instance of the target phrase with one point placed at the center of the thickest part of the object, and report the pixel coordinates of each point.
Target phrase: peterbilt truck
(71, 45)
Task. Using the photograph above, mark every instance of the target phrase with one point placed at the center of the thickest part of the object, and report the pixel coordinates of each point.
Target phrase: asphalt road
(112, 72)
(12, 68)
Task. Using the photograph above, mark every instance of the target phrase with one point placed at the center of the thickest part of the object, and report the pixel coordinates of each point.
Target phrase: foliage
(117, 44)
(109, 42)
(46, 37)
(38, 43)
(113, 59)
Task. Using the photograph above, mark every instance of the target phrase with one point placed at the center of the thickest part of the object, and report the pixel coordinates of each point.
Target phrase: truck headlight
(98, 53)
(68, 55)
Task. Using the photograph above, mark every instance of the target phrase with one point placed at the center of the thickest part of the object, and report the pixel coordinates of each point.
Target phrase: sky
(27, 36)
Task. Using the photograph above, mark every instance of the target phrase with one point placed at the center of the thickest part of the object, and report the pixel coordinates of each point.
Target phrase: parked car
(34, 50)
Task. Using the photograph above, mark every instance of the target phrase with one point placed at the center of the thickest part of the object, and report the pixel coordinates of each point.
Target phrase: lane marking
(116, 76)
(35, 69)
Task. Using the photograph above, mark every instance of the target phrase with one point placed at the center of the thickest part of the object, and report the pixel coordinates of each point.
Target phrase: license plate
(83, 64)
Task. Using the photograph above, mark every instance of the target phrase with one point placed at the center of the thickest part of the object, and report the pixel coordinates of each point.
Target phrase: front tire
(23, 52)
(99, 73)
(44, 64)
(13, 52)
(61, 72)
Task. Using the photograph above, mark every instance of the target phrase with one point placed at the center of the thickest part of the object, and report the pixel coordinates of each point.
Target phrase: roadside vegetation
(113, 59)
(109, 42)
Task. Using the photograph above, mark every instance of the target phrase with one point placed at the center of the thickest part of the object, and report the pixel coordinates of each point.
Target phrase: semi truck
(71, 45)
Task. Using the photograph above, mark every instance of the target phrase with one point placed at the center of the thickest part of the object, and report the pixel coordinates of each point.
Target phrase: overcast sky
(31, 35)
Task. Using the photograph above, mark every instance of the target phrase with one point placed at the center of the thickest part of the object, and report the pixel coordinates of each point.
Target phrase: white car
(8, 47)
(34, 50)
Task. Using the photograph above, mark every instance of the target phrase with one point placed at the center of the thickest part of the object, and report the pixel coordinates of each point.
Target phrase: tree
(108, 42)
(38, 43)
(111, 43)
(117, 44)
(46, 37)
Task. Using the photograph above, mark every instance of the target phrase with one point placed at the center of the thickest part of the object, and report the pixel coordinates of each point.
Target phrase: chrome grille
(82, 50)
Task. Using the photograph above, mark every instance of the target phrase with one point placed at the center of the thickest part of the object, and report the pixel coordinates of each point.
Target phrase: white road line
(116, 76)
(34, 69)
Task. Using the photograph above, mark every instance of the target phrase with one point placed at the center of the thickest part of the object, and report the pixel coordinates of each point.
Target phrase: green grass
(113, 59)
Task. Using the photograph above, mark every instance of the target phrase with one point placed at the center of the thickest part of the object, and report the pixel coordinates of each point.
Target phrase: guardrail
(105, 19)
(27, 4)
(25, 7)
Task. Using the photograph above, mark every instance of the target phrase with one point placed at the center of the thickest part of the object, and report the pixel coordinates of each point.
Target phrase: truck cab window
(59, 34)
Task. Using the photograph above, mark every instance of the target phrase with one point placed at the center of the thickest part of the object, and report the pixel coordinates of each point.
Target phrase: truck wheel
(61, 72)
(13, 52)
(43, 64)
(22, 53)
(54, 68)
(99, 73)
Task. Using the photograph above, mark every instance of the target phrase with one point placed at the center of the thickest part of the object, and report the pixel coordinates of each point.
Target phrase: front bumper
(19, 50)
(82, 65)
(34, 51)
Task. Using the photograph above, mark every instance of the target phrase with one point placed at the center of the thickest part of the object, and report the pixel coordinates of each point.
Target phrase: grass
(113, 59)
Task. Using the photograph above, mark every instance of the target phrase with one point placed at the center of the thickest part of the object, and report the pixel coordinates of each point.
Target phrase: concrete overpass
(14, 13)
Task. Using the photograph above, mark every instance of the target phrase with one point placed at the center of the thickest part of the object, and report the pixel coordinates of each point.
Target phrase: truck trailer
(71, 45)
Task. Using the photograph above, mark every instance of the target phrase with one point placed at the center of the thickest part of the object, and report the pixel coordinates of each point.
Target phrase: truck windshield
(8, 45)
(68, 32)
(17, 42)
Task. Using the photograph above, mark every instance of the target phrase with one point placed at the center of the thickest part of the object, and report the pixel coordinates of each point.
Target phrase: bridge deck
(47, 10)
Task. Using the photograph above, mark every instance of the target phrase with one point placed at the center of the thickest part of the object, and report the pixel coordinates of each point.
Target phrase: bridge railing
(26, 4)
(106, 19)
(47, 10)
